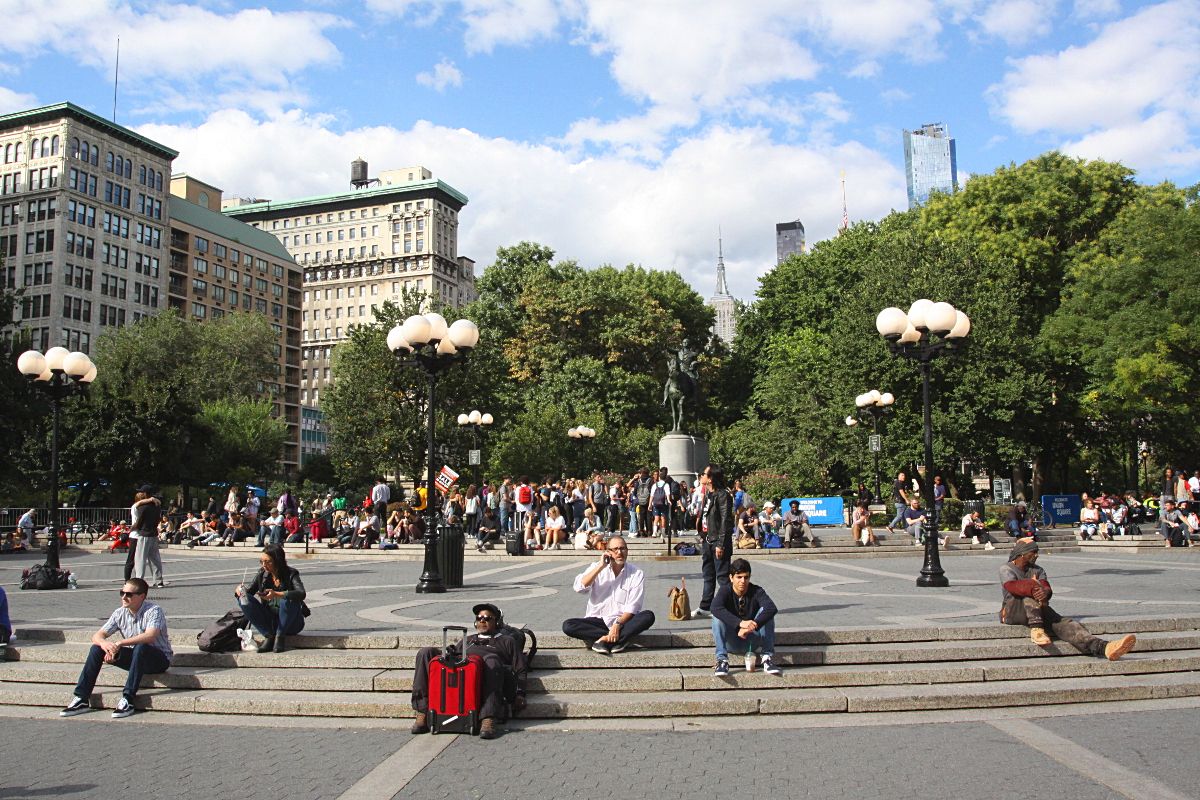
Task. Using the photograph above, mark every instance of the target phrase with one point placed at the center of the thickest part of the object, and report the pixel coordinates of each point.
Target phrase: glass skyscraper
(930, 163)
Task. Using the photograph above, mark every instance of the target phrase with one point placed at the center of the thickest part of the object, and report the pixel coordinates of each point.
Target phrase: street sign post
(875, 442)
(473, 458)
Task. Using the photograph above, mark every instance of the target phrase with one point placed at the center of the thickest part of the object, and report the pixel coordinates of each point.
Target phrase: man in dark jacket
(743, 614)
(502, 661)
(715, 526)
(1026, 601)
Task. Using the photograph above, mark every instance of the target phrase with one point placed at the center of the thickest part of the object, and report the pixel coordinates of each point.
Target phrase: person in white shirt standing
(614, 613)
(381, 495)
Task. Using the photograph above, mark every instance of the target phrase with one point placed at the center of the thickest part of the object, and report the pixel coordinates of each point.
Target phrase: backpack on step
(222, 636)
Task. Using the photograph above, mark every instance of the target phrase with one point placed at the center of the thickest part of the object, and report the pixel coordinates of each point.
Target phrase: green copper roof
(58, 110)
(409, 188)
(232, 230)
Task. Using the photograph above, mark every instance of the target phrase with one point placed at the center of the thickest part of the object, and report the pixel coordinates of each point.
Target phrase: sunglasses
(482, 618)
(129, 594)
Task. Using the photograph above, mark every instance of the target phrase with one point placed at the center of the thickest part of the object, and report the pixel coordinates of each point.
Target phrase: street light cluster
(923, 317)
(425, 341)
(871, 399)
(475, 418)
(57, 361)
(582, 432)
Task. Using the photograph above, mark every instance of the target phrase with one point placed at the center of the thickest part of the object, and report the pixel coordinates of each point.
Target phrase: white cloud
(1093, 9)
(250, 48)
(488, 23)
(1139, 73)
(11, 100)
(1162, 141)
(599, 209)
(894, 95)
(443, 74)
(1017, 21)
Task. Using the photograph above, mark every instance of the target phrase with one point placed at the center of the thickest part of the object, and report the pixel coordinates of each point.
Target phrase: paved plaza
(1138, 750)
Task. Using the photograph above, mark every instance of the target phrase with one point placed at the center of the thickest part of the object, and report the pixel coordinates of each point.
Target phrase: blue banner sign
(820, 510)
(1062, 508)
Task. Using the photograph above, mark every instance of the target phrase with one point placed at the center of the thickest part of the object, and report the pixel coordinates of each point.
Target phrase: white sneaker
(700, 613)
(989, 546)
(751, 660)
(77, 706)
(974, 540)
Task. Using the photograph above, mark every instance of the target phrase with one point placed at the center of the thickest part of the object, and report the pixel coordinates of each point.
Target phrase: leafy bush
(764, 485)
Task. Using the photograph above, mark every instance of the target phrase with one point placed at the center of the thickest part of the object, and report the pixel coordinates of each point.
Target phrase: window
(201, 244)
(218, 250)
(198, 310)
(200, 265)
(199, 287)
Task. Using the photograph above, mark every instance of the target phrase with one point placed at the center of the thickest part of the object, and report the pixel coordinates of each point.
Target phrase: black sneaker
(722, 669)
(603, 648)
(124, 709)
(619, 647)
(77, 706)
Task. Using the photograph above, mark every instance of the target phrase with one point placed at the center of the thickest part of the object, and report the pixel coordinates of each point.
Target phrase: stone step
(621, 703)
(646, 680)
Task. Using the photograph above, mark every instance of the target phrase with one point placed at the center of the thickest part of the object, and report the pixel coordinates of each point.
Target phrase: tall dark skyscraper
(789, 239)
(930, 162)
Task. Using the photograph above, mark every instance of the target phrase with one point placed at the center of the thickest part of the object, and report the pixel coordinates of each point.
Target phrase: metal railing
(84, 516)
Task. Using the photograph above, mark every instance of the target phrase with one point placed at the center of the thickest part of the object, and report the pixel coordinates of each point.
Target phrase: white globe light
(874, 395)
(487, 419)
(464, 334)
(89, 376)
(396, 341)
(437, 327)
(474, 417)
(940, 318)
(31, 363)
(589, 433)
(446, 348)
(887, 399)
(962, 326)
(573, 433)
(55, 357)
(862, 401)
(463, 419)
(45, 376)
(415, 330)
(77, 364)
(910, 336)
(891, 322)
(851, 421)
(917, 313)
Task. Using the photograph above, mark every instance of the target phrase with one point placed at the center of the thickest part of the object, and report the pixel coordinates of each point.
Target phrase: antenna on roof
(116, 77)
(845, 211)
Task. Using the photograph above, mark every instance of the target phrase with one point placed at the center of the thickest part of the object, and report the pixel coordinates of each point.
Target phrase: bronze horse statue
(682, 386)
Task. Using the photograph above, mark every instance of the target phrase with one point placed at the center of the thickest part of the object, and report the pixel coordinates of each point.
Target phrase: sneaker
(619, 647)
(1039, 637)
(603, 648)
(77, 706)
(974, 540)
(989, 546)
(1114, 650)
(751, 661)
(124, 709)
(700, 613)
(916, 542)
(769, 667)
(722, 669)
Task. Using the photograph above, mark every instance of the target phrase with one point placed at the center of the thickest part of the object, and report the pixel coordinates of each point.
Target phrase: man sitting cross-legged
(615, 590)
(743, 613)
(1026, 594)
(502, 662)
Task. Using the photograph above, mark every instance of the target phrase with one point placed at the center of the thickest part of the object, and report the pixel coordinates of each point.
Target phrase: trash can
(451, 540)
(973, 505)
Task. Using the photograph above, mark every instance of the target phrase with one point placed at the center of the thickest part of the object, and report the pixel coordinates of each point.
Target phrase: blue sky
(618, 131)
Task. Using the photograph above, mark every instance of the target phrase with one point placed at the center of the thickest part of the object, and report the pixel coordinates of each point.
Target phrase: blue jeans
(505, 519)
(899, 518)
(288, 621)
(138, 660)
(761, 640)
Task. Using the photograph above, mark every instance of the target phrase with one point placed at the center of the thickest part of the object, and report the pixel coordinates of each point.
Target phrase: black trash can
(451, 540)
(973, 505)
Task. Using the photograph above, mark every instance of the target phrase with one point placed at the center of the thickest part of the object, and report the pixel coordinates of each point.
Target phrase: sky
(623, 131)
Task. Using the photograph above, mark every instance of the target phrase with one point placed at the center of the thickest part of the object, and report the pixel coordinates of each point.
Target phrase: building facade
(83, 221)
(789, 240)
(930, 162)
(361, 247)
(722, 302)
(220, 266)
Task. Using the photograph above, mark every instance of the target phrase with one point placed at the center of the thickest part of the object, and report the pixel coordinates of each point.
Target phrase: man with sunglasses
(501, 657)
(143, 648)
(614, 613)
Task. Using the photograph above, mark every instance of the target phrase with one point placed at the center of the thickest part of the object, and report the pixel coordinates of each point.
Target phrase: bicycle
(79, 530)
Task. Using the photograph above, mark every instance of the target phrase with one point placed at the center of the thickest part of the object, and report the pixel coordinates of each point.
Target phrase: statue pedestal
(684, 456)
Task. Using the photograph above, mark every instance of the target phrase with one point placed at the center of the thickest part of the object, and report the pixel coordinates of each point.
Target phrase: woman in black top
(274, 600)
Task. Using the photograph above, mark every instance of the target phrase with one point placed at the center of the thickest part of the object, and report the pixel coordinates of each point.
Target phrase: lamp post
(928, 330)
(58, 374)
(1144, 455)
(875, 406)
(477, 421)
(583, 435)
(427, 343)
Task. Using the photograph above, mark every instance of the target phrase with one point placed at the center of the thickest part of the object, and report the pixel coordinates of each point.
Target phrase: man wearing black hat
(500, 654)
(1026, 601)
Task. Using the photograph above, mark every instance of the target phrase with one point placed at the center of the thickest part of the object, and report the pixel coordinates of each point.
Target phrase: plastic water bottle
(72, 582)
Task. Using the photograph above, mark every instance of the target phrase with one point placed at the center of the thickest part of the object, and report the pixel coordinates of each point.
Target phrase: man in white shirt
(614, 613)
(25, 525)
(381, 495)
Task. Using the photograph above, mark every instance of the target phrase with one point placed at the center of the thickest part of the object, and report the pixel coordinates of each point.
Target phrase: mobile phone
(607, 559)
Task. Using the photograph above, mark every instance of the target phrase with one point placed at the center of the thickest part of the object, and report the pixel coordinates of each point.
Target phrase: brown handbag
(681, 606)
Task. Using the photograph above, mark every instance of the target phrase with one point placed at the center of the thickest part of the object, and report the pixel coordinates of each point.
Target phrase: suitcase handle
(462, 642)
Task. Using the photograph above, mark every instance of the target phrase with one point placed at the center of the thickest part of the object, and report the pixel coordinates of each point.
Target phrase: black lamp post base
(430, 586)
(932, 574)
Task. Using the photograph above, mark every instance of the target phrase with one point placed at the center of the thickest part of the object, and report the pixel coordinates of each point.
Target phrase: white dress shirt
(610, 596)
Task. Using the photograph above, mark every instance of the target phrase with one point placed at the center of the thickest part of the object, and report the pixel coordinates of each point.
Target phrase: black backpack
(519, 636)
(222, 636)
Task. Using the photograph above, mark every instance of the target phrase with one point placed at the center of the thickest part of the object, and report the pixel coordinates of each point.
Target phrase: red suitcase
(455, 687)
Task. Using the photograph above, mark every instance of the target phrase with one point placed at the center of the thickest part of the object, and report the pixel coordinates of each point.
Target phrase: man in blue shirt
(743, 615)
(143, 647)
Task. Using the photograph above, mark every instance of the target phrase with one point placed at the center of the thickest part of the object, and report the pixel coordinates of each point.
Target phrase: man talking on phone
(614, 613)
